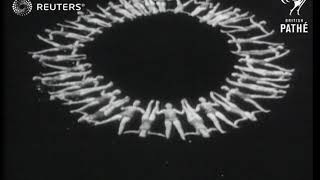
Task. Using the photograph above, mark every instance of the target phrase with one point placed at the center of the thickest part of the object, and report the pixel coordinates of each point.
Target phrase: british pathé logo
(297, 4)
(24, 7)
(296, 25)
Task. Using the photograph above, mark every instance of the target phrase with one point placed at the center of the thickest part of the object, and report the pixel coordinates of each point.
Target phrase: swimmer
(170, 117)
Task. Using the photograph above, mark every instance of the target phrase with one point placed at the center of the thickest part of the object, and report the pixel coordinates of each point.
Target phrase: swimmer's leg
(84, 101)
(85, 107)
(122, 125)
(156, 134)
(212, 129)
(168, 126)
(216, 123)
(236, 122)
(67, 89)
(179, 128)
(204, 132)
(253, 113)
(143, 133)
(84, 117)
(113, 118)
(225, 119)
(255, 104)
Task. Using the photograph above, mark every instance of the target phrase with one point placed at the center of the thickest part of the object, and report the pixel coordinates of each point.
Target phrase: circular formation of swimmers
(256, 77)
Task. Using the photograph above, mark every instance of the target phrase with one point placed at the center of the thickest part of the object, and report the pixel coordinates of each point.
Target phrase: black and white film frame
(256, 77)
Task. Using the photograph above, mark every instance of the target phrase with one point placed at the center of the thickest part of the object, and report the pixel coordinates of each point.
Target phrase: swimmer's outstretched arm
(76, 87)
(96, 89)
(256, 88)
(83, 101)
(116, 117)
(80, 27)
(214, 103)
(238, 29)
(60, 58)
(67, 76)
(98, 22)
(113, 103)
(258, 25)
(280, 55)
(70, 47)
(107, 14)
(210, 14)
(160, 112)
(242, 78)
(252, 40)
(66, 34)
(121, 11)
(65, 85)
(72, 85)
(222, 17)
(258, 37)
(206, 2)
(48, 41)
(238, 18)
(91, 18)
(263, 72)
(260, 52)
(280, 79)
(195, 133)
(54, 73)
(149, 133)
(57, 67)
(180, 6)
(181, 112)
(251, 62)
(202, 7)
(90, 104)
(131, 132)
(119, 103)
(81, 69)
(82, 92)
(127, 5)
(223, 11)
(78, 67)
(156, 134)
(198, 10)
(139, 109)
